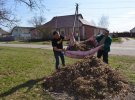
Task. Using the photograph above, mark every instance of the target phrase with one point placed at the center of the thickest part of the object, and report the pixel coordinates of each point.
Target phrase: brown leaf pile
(81, 46)
(89, 78)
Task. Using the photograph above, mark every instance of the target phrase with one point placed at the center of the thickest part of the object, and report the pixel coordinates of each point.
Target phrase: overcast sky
(121, 13)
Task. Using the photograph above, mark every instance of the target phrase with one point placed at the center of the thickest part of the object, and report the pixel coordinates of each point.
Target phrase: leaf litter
(89, 79)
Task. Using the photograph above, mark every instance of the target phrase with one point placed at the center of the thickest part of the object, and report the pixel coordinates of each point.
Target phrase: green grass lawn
(119, 40)
(133, 38)
(22, 42)
(22, 72)
(126, 65)
(38, 43)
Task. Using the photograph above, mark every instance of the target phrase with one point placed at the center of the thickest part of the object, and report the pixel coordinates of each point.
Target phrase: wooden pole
(77, 8)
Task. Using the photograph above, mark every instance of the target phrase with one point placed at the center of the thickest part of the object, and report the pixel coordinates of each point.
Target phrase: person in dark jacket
(105, 40)
(57, 44)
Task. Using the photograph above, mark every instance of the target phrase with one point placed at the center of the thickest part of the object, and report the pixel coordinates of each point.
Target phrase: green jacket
(107, 42)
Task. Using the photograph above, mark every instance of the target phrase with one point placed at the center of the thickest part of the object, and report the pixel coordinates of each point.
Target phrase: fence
(7, 38)
(126, 34)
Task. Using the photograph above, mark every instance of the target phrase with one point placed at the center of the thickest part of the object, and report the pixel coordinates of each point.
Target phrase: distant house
(5, 36)
(22, 33)
(36, 34)
(132, 30)
(64, 24)
(3, 33)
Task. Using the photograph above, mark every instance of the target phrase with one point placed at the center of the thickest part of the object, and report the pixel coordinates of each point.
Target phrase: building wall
(98, 31)
(84, 31)
(102, 31)
(35, 34)
(62, 31)
(89, 31)
(83, 35)
(68, 30)
(21, 34)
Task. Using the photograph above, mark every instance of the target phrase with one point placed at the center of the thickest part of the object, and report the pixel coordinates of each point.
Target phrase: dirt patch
(88, 79)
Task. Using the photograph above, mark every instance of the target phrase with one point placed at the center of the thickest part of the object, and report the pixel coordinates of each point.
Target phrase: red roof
(67, 21)
(62, 21)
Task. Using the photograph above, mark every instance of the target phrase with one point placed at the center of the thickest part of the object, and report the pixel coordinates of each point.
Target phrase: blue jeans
(57, 55)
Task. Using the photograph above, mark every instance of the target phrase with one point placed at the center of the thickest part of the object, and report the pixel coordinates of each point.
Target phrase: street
(127, 47)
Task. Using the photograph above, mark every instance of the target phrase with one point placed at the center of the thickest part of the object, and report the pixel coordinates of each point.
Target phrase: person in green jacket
(105, 40)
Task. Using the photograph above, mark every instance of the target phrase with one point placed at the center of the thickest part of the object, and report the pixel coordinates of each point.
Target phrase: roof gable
(3, 31)
(132, 29)
(16, 27)
(68, 21)
(84, 22)
(62, 21)
(28, 29)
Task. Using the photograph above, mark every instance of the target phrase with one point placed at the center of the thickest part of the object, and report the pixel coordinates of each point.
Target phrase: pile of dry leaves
(89, 78)
(81, 46)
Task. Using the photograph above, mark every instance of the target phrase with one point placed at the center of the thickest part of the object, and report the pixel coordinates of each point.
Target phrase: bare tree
(37, 21)
(32, 4)
(104, 22)
(7, 18)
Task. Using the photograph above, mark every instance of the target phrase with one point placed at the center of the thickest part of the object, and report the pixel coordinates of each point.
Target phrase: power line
(116, 17)
(110, 2)
(96, 7)
(108, 8)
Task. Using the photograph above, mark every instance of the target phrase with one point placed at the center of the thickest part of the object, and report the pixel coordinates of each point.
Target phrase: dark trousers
(104, 54)
(57, 55)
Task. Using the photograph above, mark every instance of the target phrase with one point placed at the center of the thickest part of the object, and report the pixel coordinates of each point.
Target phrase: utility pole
(77, 8)
(56, 24)
(76, 21)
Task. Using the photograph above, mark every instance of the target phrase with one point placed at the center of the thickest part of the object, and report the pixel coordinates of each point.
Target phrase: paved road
(27, 45)
(125, 48)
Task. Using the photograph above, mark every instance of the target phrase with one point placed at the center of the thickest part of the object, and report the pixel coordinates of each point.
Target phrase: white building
(22, 33)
